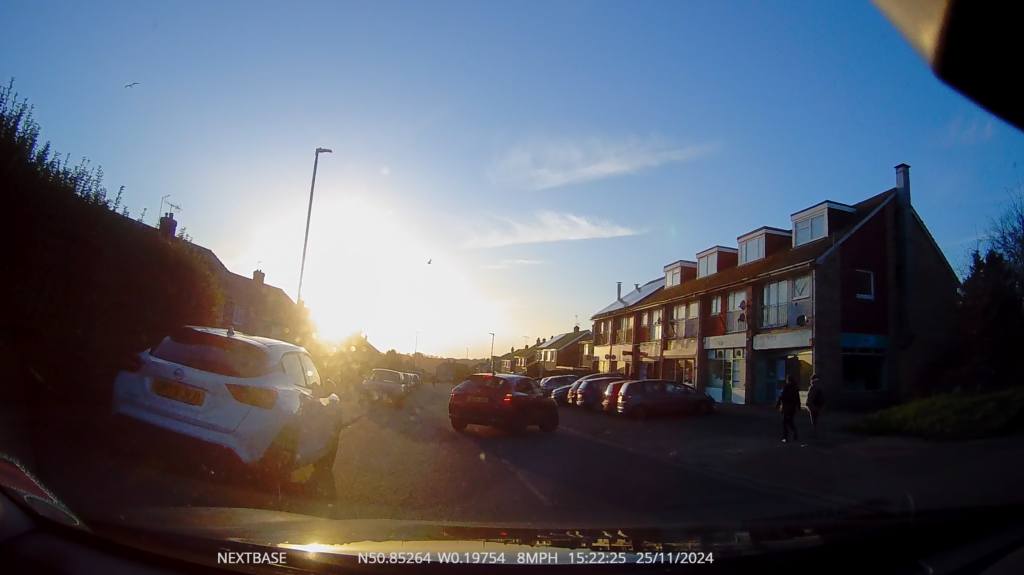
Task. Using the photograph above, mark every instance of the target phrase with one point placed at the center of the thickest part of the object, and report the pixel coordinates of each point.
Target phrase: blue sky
(537, 152)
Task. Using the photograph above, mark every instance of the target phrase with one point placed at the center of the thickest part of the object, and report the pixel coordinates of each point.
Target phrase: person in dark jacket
(815, 402)
(789, 403)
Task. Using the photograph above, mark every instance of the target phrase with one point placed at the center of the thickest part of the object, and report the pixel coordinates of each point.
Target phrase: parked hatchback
(552, 383)
(640, 399)
(610, 399)
(260, 399)
(589, 394)
(511, 402)
(571, 396)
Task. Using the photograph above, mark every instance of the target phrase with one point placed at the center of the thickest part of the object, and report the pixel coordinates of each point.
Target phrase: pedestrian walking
(789, 403)
(815, 402)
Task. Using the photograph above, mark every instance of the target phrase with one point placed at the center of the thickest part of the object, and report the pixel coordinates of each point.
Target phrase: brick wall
(931, 308)
(827, 343)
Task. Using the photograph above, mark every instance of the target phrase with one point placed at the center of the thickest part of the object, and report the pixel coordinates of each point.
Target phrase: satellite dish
(801, 320)
(743, 304)
(743, 316)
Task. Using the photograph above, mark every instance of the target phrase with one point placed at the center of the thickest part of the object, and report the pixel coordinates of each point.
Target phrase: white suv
(260, 398)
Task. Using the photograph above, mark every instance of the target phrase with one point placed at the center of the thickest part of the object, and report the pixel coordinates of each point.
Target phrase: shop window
(863, 372)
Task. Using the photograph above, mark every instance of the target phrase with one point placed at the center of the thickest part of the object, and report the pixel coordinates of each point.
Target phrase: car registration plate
(478, 399)
(178, 392)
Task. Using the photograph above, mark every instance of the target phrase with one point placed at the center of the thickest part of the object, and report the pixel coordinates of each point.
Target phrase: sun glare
(367, 271)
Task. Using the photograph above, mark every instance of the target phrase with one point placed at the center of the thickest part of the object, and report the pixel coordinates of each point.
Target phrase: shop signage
(864, 340)
(722, 341)
(783, 340)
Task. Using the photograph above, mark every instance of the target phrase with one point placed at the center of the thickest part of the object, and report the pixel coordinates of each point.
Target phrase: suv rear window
(386, 375)
(481, 383)
(214, 354)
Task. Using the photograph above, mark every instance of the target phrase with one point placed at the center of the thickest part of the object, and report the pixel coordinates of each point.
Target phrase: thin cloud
(505, 264)
(547, 227)
(962, 132)
(543, 165)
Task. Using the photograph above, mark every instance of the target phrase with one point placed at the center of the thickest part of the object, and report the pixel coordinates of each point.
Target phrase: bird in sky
(430, 260)
(131, 85)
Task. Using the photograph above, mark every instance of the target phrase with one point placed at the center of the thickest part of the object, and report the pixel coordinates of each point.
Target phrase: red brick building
(860, 294)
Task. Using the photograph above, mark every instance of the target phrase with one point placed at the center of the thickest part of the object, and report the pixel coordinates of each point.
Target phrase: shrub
(950, 417)
(85, 285)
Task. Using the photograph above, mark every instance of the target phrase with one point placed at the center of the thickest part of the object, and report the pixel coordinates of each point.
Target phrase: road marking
(521, 475)
(738, 478)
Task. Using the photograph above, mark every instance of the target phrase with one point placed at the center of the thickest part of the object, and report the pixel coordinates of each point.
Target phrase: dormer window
(752, 250)
(808, 230)
(672, 277)
(707, 265)
(813, 223)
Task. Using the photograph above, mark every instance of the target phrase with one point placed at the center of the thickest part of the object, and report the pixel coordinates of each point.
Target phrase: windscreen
(292, 204)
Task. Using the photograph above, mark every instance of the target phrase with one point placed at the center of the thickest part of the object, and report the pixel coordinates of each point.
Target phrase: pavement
(408, 463)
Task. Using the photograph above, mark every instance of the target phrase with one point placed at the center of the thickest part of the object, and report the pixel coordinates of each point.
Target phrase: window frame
(871, 282)
(807, 223)
(744, 255)
(793, 295)
(704, 265)
(716, 305)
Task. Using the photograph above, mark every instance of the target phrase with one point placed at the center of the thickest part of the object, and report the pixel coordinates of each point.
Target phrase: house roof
(525, 352)
(794, 257)
(634, 297)
(562, 341)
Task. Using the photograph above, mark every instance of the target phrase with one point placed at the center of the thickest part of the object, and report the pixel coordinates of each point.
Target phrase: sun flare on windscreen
(366, 270)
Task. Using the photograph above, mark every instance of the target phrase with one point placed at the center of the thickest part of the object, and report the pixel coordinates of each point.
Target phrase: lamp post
(492, 353)
(415, 349)
(309, 214)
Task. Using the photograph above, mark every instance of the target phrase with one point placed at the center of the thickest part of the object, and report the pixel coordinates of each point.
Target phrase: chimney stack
(257, 276)
(576, 329)
(904, 270)
(618, 291)
(168, 225)
(637, 286)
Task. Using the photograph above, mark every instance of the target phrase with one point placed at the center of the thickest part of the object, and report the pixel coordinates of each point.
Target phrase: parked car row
(611, 393)
(389, 386)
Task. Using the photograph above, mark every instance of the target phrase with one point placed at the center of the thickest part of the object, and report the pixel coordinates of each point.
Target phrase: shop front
(679, 361)
(726, 367)
(777, 356)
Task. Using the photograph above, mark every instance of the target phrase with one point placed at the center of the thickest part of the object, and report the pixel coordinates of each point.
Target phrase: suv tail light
(508, 398)
(257, 396)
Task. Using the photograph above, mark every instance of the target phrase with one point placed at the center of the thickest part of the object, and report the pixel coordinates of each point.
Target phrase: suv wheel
(458, 425)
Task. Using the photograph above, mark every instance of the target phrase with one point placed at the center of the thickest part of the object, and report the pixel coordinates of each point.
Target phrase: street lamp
(492, 353)
(415, 348)
(309, 214)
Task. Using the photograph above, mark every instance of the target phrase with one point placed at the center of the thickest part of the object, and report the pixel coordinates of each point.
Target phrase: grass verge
(949, 417)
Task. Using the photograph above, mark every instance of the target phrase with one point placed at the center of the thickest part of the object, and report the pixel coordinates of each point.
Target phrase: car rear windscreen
(385, 375)
(481, 383)
(214, 354)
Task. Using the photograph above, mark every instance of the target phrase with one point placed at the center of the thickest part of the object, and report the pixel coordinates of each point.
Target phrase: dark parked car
(656, 396)
(512, 402)
(590, 392)
(610, 401)
(571, 398)
(561, 395)
(552, 383)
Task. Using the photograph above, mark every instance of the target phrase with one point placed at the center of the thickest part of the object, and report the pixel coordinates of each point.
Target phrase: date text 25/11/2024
(540, 558)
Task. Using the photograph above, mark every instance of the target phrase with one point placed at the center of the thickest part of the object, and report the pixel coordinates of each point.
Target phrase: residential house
(615, 344)
(560, 353)
(506, 363)
(250, 304)
(525, 360)
(587, 360)
(859, 293)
